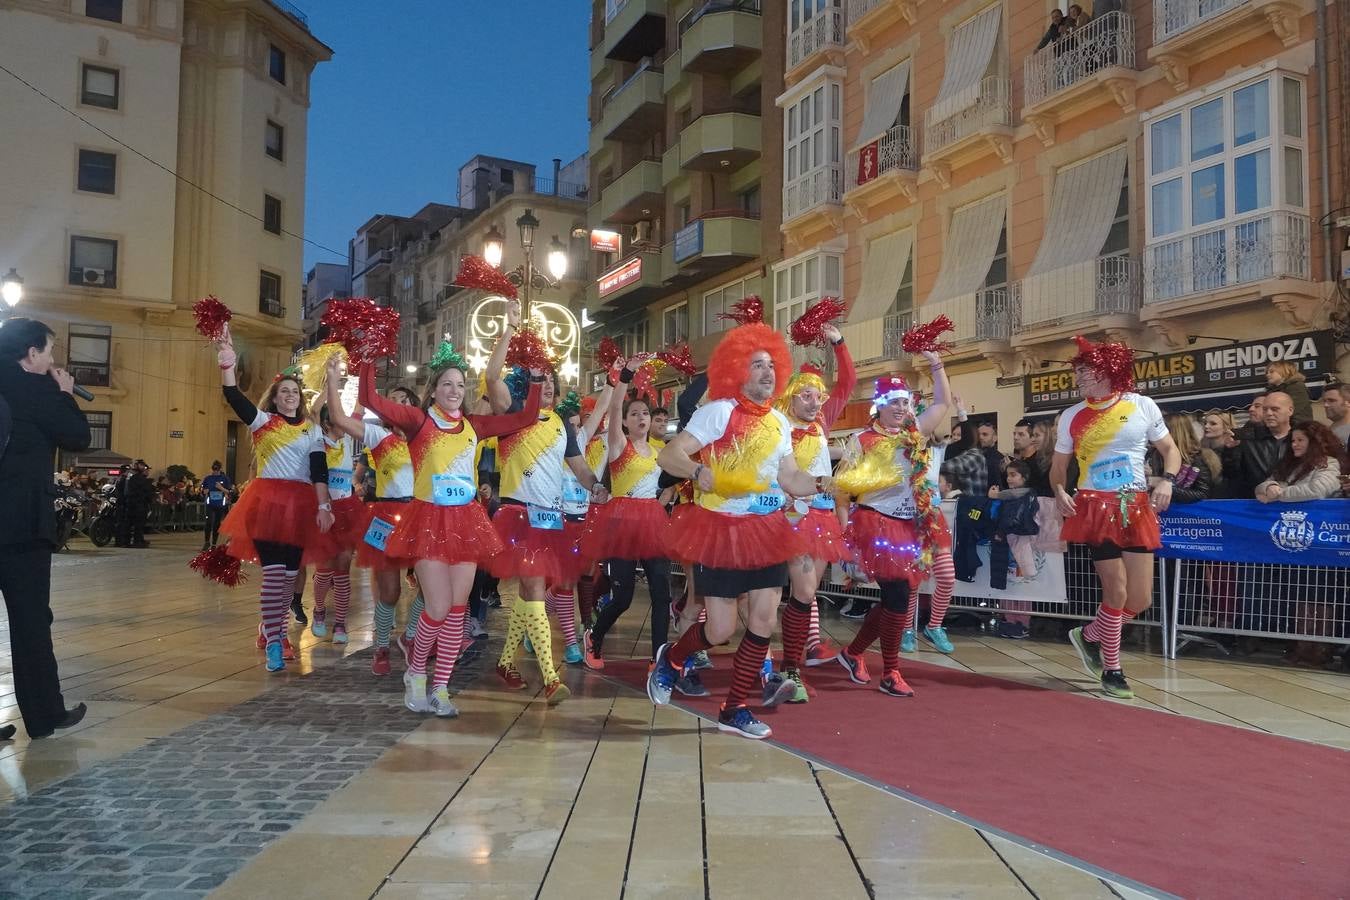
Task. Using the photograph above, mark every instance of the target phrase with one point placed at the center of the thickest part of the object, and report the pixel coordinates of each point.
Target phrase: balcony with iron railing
(820, 191)
(1094, 64)
(869, 18)
(983, 316)
(1098, 289)
(873, 340)
(882, 169)
(1274, 245)
(823, 33)
(1189, 31)
(978, 130)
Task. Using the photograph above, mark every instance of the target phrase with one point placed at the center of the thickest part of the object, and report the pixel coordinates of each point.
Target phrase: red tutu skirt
(276, 511)
(576, 563)
(371, 557)
(723, 541)
(349, 519)
(448, 534)
(627, 528)
(822, 536)
(533, 552)
(887, 549)
(1099, 520)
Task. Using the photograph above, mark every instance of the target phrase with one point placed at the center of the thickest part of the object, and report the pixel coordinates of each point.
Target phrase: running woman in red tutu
(897, 526)
(594, 442)
(442, 528)
(633, 526)
(286, 510)
(335, 573)
(811, 409)
(393, 492)
(1109, 432)
(737, 450)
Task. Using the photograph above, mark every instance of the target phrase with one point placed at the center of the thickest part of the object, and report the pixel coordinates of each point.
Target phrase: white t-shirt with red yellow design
(725, 430)
(1110, 441)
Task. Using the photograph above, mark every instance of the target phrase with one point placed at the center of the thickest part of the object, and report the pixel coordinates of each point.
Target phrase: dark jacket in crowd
(139, 493)
(980, 519)
(43, 419)
(1252, 464)
(1193, 483)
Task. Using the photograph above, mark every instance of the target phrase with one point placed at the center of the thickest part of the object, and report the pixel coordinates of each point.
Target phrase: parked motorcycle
(68, 508)
(103, 523)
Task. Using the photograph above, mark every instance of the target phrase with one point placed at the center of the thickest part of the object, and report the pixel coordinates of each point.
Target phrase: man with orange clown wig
(737, 450)
(811, 409)
(1109, 432)
(897, 527)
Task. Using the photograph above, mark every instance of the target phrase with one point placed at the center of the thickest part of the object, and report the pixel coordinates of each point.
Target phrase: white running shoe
(474, 628)
(440, 703)
(415, 693)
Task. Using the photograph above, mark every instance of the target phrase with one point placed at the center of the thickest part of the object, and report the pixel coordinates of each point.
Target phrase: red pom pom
(528, 350)
(607, 353)
(678, 358)
(367, 330)
(475, 273)
(925, 338)
(810, 326)
(749, 310)
(212, 317)
(642, 383)
(219, 566)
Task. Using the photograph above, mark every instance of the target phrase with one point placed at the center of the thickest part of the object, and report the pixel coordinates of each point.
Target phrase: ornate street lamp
(11, 288)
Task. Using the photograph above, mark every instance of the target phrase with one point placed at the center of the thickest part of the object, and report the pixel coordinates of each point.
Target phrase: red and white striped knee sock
(428, 630)
(292, 579)
(561, 603)
(1105, 630)
(448, 645)
(812, 628)
(944, 583)
(274, 602)
(323, 581)
(909, 613)
(342, 597)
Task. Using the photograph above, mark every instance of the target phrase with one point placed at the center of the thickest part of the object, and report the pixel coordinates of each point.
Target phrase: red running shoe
(856, 666)
(895, 685)
(380, 665)
(404, 646)
(593, 660)
(287, 651)
(555, 692)
(261, 643)
(510, 676)
(820, 654)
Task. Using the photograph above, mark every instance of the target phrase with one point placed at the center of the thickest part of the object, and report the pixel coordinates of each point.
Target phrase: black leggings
(894, 596)
(273, 554)
(214, 515)
(623, 581)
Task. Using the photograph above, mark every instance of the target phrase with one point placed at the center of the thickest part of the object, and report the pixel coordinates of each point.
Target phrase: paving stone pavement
(177, 817)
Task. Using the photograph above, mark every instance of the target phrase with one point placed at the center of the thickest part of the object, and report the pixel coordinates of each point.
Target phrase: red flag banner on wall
(867, 162)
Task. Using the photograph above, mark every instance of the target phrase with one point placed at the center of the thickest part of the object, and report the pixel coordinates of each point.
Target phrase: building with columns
(112, 248)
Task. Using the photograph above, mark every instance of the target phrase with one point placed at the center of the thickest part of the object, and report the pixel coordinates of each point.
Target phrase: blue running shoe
(691, 685)
(572, 655)
(938, 638)
(766, 670)
(529, 648)
(662, 677)
(274, 661)
(739, 720)
(700, 660)
(908, 642)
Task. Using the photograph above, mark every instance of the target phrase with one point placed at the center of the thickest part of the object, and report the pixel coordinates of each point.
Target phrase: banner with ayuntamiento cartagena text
(1316, 533)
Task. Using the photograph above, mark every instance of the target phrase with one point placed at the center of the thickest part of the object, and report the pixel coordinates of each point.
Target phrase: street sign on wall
(689, 241)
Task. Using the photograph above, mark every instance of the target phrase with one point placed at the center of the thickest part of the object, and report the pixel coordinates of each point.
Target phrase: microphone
(81, 393)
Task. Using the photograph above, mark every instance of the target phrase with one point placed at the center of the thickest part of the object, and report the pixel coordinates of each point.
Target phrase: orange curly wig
(729, 367)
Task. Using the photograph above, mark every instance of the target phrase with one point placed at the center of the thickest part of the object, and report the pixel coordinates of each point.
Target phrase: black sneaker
(1115, 685)
(1090, 652)
(856, 609)
(691, 685)
(298, 610)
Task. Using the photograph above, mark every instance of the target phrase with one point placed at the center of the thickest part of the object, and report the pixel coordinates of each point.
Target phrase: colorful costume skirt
(369, 556)
(627, 528)
(886, 549)
(448, 534)
(1123, 518)
(723, 541)
(273, 510)
(822, 536)
(533, 551)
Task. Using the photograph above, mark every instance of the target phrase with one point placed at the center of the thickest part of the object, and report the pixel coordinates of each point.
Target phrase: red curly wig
(1114, 360)
(729, 368)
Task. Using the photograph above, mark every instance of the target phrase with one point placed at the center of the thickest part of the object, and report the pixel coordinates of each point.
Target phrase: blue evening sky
(417, 87)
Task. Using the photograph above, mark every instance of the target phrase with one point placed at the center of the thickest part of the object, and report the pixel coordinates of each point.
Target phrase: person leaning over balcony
(1285, 376)
(1052, 33)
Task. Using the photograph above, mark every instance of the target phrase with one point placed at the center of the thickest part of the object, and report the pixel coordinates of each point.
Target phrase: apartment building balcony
(1186, 32)
(981, 128)
(1054, 305)
(635, 195)
(716, 241)
(882, 169)
(716, 141)
(819, 40)
(636, 108)
(815, 198)
(1257, 258)
(721, 36)
(983, 320)
(633, 29)
(877, 340)
(869, 18)
(633, 282)
(1092, 66)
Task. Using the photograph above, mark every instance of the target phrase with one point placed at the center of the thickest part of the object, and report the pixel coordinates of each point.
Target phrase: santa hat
(889, 388)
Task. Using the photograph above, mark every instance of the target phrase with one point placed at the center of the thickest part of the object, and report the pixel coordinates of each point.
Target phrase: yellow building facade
(112, 248)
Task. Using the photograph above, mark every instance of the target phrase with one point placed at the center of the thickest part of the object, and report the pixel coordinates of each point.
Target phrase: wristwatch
(326, 507)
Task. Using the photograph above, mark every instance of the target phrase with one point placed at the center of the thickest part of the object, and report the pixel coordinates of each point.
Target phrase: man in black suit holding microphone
(44, 417)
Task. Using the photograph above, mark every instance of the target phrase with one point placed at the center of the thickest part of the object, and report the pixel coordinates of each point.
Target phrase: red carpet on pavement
(1185, 806)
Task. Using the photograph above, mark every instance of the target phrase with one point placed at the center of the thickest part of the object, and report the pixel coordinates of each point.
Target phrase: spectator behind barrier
(1336, 403)
(1309, 470)
(1200, 467)
(1258, 455)
(1285, 376)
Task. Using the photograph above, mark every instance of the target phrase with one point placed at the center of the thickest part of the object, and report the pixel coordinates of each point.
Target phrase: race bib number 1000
(545, 519)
